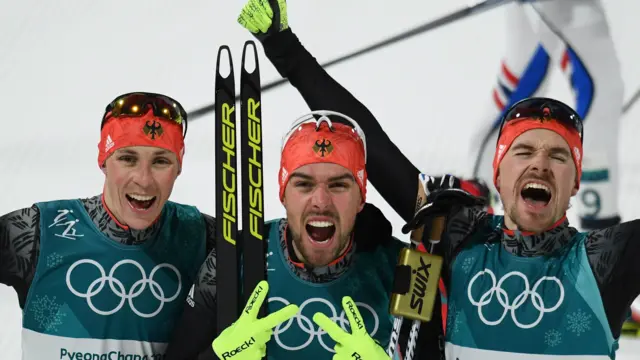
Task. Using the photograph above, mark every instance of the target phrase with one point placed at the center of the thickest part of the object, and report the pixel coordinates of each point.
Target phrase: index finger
(274, 319)
(266, 5)
(256, 299)
(333, 330)
(353, 314)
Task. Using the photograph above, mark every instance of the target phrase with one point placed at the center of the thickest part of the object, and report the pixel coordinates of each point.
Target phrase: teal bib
(502, 306)
(93, 298)
(368, 282)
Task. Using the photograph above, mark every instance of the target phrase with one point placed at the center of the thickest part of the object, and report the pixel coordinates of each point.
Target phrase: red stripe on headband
(341, 146)
(146, 130)
(513, 129)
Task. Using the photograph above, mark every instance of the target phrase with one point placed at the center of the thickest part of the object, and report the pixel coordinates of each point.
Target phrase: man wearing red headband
(536, 196)
(331, 245)
(319, 155)
(526, 285)
(104, 277)
(557, 291)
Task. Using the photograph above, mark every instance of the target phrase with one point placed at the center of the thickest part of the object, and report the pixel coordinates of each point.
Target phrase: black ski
(227, 252)
(253, 239)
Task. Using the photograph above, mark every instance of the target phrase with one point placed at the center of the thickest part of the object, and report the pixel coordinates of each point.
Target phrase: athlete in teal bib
(105, 277)
(93, 297)
(367, 278)
(527, 285)
(544, 305)
(333, 255)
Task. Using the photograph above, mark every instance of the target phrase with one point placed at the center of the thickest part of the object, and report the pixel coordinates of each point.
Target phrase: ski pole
(416, 282)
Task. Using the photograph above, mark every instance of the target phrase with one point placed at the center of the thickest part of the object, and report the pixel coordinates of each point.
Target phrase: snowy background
(61, 62)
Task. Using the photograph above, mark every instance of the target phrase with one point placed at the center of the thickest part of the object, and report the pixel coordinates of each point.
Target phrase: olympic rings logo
(518, 301)
(305, 324)
(118, 288)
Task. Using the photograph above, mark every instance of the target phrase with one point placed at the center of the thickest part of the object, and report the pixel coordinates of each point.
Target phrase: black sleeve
(614, 256)
(19, 249)
(196, 329)
(210, 224)
(322, 92)
(462, 222)
(205, 290)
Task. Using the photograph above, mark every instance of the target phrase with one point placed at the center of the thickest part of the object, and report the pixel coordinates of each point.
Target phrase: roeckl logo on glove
(356, 317)
(247, 337)
(239, 349)
(355, 345)
(256, 294)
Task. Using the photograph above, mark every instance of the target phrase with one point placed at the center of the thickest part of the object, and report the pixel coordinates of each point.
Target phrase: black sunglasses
(542, 109)
(137, 103)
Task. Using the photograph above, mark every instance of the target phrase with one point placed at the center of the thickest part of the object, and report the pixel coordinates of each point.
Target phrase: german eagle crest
(323, 148)
(152, 130)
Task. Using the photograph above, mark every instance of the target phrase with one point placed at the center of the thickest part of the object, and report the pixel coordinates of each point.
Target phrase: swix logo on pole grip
(420, 286)
(239, 349)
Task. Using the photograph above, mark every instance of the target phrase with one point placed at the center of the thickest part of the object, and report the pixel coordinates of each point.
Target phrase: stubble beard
(515, 217)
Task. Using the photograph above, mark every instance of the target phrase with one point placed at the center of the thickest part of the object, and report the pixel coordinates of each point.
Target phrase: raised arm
(392, 174)
(19, 248)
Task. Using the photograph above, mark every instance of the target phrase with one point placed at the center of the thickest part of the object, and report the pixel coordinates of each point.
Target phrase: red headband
(146, 130)
(515, 128)
(340, 146)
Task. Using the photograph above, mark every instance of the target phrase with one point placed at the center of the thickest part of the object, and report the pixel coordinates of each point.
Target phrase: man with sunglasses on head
(575, 36)
(104, 277)
(330, 262)
(528, 278)
(525, 284)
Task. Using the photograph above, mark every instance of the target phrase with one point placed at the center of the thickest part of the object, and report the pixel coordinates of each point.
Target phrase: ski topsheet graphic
(226, 150)
(253, 241)
(240, 257)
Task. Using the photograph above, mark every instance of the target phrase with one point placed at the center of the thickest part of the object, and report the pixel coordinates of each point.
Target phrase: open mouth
(320, 232)
(536, 194)
(140, 202)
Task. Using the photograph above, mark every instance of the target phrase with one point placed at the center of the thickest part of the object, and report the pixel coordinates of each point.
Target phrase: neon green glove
(261, 19)
(246, 339)
(358, 344)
